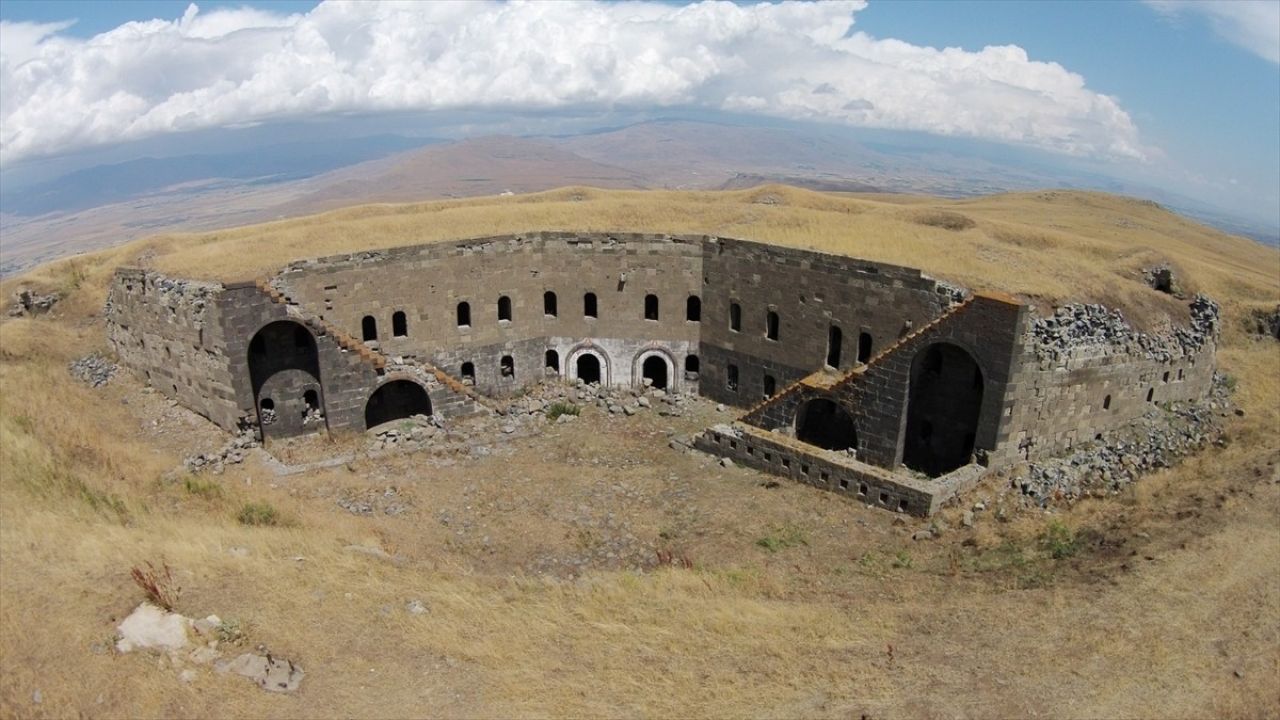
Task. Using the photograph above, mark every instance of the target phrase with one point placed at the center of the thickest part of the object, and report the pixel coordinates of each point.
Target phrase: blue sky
(1182, 95)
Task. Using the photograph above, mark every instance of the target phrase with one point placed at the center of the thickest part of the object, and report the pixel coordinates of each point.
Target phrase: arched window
(369, 328)
(731, 378)
(504, 309)
(650, 307)
(691, 367)
(735, 317)
(464, 314)
(693, 309)
(771, 325)
(589, 308)
(468, 373)
(770, 385)
(552, 360)
(835, 339)
(864, 347)
(311, 399)
(399, 324)
(549, 304)
(508, 366)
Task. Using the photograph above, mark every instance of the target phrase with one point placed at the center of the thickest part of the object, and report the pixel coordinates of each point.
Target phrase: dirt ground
(638, 579)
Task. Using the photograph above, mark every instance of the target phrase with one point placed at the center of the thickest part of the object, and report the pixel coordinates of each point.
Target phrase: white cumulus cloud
(791, 60)
(1252, 24)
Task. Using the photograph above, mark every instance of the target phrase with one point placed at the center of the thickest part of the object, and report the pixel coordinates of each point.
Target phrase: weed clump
(1058, 540)
(562, 408)
(206, 489)
(157, 583)
(782, 537)
(255, 514)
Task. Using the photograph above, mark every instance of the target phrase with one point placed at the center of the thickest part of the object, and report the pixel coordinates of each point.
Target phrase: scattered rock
(726, 462)
(26, 302)
(416, 607)
(93, 370)
(270, 673)
(152, 628)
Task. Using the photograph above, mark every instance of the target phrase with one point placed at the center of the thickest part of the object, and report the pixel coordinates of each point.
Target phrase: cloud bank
(1251, 24)
(790, 60)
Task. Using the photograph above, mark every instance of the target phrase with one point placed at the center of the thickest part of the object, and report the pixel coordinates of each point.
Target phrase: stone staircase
(375, 358)
(831, 381)
(323, 327)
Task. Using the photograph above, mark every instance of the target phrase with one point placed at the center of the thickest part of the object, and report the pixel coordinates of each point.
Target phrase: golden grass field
(1170, 607)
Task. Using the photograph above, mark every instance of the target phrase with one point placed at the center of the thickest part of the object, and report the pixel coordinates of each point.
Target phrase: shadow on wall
(943, 410)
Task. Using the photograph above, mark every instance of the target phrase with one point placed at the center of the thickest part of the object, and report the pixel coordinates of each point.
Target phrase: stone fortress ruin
(869, 380)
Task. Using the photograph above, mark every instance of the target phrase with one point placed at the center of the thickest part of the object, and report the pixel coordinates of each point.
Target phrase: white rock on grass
(152, 628)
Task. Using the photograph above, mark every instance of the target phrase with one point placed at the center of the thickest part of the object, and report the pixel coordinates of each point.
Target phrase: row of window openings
(835, 337)
(550, 308)
(1151, 392)
(823, 476)
(507, 366)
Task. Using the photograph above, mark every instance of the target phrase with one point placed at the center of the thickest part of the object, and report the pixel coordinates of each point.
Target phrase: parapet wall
(169, 332)
(1085, 371)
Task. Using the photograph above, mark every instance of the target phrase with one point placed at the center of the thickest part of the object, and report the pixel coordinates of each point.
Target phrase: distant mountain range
(109, 204)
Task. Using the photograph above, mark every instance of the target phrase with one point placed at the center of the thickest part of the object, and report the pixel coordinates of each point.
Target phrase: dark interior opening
(691, 367)
(693, 309)
(396, 400)
(735, 317)
(464, 314)
(589, 368)
(834, 339)
(311, 399)
(731, 378)
(650, 307)
(368, 329)
(589, 308)
(824, 423)
(864, 347)
(399, 324)
(771, 325)
(507, 366)
(549, 303)
(943, 410)
(504, 309)
(553, 360)
(468, 372)
(655, 369)
(770, 385)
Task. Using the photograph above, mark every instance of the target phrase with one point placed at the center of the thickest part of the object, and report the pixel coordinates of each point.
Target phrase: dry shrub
(944, 219)
(158, 584)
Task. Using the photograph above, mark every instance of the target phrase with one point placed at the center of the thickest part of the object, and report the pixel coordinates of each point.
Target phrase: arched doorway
(824, 423)
(588, 368)
(654, 368)
(943, 409)
(284, 375)
(395, 400)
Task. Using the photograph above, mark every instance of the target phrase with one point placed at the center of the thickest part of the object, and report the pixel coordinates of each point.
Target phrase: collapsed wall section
(168, 332)
(1085, 371)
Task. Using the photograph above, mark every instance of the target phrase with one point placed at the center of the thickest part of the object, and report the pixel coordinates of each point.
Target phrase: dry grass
(88, 490)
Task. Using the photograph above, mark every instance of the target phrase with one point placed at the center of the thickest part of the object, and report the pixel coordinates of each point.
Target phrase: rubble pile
(93, 370)
(1114, 460)
(1089, 327)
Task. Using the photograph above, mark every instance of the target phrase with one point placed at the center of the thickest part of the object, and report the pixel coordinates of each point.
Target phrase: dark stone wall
(168, 332)
(809, 291)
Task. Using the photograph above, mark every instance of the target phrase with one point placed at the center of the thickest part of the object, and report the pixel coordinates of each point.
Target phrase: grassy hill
(1170, 606)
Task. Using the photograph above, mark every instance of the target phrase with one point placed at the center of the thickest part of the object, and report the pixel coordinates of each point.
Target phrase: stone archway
(656, 365)
(396, 400)
(824, 423)
(588, 363)
(284, 376)
(654, 369)
(943, 409)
